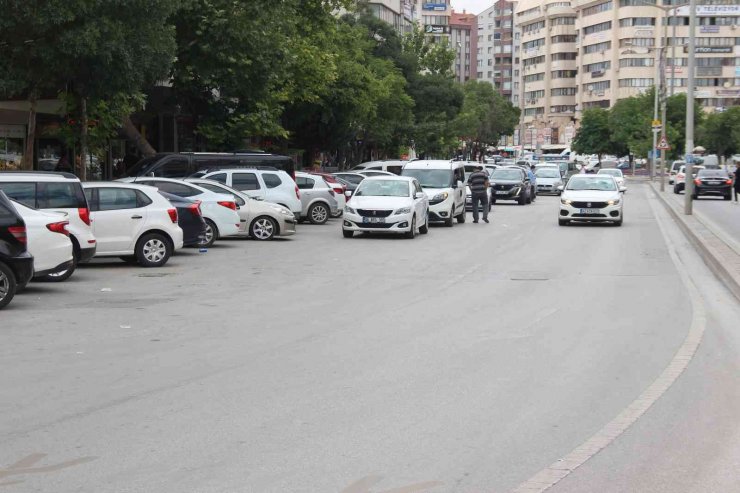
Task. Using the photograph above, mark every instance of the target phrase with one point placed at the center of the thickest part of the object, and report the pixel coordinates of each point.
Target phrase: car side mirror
(419, 195)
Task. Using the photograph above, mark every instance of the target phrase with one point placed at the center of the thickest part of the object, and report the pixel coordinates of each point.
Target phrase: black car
(16, 264)
(189, 218)
(712, 182)
(511, 183)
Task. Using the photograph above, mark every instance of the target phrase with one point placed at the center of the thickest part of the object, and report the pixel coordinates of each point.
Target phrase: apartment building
(434, 16)
(464, 41)
(496, 47)
(401, 14)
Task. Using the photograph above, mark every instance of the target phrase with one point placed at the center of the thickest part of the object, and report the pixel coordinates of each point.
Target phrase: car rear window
(271, 180)
(47, 195)
(715, 173)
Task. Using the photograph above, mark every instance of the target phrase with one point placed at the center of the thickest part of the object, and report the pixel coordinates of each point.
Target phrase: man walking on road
(478, 183)
(736, 184)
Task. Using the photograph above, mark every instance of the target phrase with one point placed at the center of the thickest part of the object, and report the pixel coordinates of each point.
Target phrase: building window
(602, 7)
(534, 94)
(534, 44)
(637, 21)
(563, 74)
(635, 82)
(637, 62)
(635, 3)
(534, 111)
(600, 86)
(566, 108)
(597, 48)
(534, 77)
(563, 21)
(563, 56)
(597, 67)
(564, 91)
(597, 28)
(535, 26)
(641, 42)
(563, 38)
(534, 61)
(596, 104)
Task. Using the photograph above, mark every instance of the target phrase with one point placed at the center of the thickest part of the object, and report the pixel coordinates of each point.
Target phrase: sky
(474, 6)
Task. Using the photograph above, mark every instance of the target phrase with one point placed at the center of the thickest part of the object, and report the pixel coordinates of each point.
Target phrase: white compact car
(444, 184)
(218, 209)
(593, 198)
(318, 198)
(49, 243)
(387, 204)
(133, 222)
(260, 184)
(617, 174)
(259, 220)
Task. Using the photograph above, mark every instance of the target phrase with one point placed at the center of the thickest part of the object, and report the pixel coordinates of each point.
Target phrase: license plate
(501, 192)
(373, 220)
(713, 183)
(589, 211)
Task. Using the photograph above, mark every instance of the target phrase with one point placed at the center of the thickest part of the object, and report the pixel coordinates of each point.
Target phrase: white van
(444, 183)
(674, 170)
(391, 166)
(269, 185)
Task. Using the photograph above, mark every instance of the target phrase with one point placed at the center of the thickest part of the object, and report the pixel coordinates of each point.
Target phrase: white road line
(555, 472)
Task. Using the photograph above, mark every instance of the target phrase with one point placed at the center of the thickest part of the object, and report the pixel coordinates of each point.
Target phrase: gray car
(548, 179)
(317, 198)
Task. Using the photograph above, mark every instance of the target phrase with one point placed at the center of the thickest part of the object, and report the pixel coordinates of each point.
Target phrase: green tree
(720, 132)
(594, 134)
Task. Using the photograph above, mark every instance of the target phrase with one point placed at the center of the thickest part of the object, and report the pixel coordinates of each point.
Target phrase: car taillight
(84, 213)
(729, 182)
(697, 181)
(60, 227)
(229, 204)
(19, 232)
(173, 214)
(195, 209)
(297, 193)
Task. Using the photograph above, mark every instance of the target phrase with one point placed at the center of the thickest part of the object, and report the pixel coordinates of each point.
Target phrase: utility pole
(654, 152)
(689, 187)
(663, 49)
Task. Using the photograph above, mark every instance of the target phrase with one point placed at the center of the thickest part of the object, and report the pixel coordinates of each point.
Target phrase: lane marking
(558, 470)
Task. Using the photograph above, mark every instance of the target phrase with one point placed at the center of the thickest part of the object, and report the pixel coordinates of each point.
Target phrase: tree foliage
(720, 132)
(594, 136)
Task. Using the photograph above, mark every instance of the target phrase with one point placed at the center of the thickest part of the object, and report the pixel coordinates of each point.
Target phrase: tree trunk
(27, 161)
(83, 140)
(133, 134)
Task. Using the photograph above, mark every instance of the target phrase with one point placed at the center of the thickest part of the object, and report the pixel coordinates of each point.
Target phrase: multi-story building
(464, 41)
(401, 14)
(434, 17)
(496, 46)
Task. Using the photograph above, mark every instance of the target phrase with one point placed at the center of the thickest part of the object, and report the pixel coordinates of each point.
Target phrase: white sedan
(593, 198)
(387, 204)
(259, 220)
(617, 174)
(48, 242)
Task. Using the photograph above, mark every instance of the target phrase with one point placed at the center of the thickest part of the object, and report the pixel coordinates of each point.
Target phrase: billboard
(437, 7)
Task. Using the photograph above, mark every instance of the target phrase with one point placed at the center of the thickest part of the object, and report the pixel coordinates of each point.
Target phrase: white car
(679, 183)
(675, 166)
(548, 179)
(387, 204)
(133, 222)
(617, 174)
(594, 198)
(444, 184)
(259, 220)
(268, 185)
(318, 198)
(219, 209)
(48, 242)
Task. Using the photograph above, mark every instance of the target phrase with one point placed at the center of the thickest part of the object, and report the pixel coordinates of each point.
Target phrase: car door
(119, 216)
(248, 182)
(459, 179)
(308, 194)
(420, 204)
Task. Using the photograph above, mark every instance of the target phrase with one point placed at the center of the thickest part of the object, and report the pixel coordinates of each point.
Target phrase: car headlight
(403, 210)
(282, 210)
(441, 196)
(613, 202)
(349, 210)
(565, 201)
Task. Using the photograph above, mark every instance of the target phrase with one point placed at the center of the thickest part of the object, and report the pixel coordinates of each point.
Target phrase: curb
(716, 253)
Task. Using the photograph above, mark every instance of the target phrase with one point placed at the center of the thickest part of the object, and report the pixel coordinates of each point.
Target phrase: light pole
(689, 187)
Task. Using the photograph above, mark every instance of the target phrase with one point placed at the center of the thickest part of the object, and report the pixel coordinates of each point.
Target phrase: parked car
(268, 185)
(219, 210)
(351, 177)
(679, 184)
(16, 263)
(444, 184)
(511, 183)
(189, 218)
(712, 182)
(260, 220)
(370, 173)
(593, 198)
(548, 179)
(340, 190)
(55, 192)
(382, 204)
(317, 198)
(48, 241)
(182, 165)
(133, 222)
(675, 166)
(393, 166)
(617, 174)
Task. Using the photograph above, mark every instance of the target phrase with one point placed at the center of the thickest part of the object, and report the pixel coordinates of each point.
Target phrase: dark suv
(16, 264)
(712, 182)
(511, 183)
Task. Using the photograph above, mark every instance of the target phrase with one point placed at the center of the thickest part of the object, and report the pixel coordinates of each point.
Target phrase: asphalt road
(465, 360)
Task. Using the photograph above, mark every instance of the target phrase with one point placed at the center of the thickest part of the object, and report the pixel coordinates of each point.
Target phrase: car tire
(619, 223)
(263, 228)
(347, 234)
(462, 217)
(8, 285)
(425, 229)
(153, 250)
(129, 259)
(563, 222)
(210, 235)
(318, 213)
(412, 232)
(450, 221)
(676, 189)
(522, 199)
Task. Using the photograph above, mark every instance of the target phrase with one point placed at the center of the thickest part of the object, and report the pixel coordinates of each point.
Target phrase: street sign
(657, 125)
(663, 144)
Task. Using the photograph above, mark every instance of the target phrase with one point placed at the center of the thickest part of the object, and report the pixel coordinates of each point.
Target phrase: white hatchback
(618, 176)
(392, 204)
(592, 198)
(133, 222)
(48, 242)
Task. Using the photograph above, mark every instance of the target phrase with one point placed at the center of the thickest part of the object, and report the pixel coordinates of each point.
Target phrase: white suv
(133, 222)
(269, 185)
(55, 192)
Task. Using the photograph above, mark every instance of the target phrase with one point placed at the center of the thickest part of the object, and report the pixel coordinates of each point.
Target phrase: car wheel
(263, 228)
(522, 199)
(412, 232)
(425, 229)
(210, 235)
(461, 218)
(450, 221)
(318, 213)
(7, 285)
(618, 223)
(347, 234)
(153, 250)
(563, 222)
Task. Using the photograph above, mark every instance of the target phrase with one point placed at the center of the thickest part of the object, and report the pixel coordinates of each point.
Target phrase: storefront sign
(710, 49)
(438, 7)
(729, 93)
(709, 29)
(12, 131)
(436, 29)
(711, 10)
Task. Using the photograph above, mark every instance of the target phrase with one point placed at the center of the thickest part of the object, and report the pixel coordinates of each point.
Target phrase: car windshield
(713, 173)
(383, 188)
(610, 172)
(602, 184)
(430, 178)
(547, 173)
(507, 174)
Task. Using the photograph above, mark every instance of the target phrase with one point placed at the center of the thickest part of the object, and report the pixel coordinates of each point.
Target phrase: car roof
(434, 164)
(38, 175)
(119, 184)
(389, 177)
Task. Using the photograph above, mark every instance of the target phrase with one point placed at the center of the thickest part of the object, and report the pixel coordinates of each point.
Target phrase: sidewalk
(714, 229)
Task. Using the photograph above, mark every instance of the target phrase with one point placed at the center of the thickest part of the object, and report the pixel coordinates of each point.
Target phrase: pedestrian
(736, 184)
(478, 183)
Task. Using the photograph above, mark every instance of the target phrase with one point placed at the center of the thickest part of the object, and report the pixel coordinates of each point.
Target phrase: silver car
(317, 198)
(548, 179)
